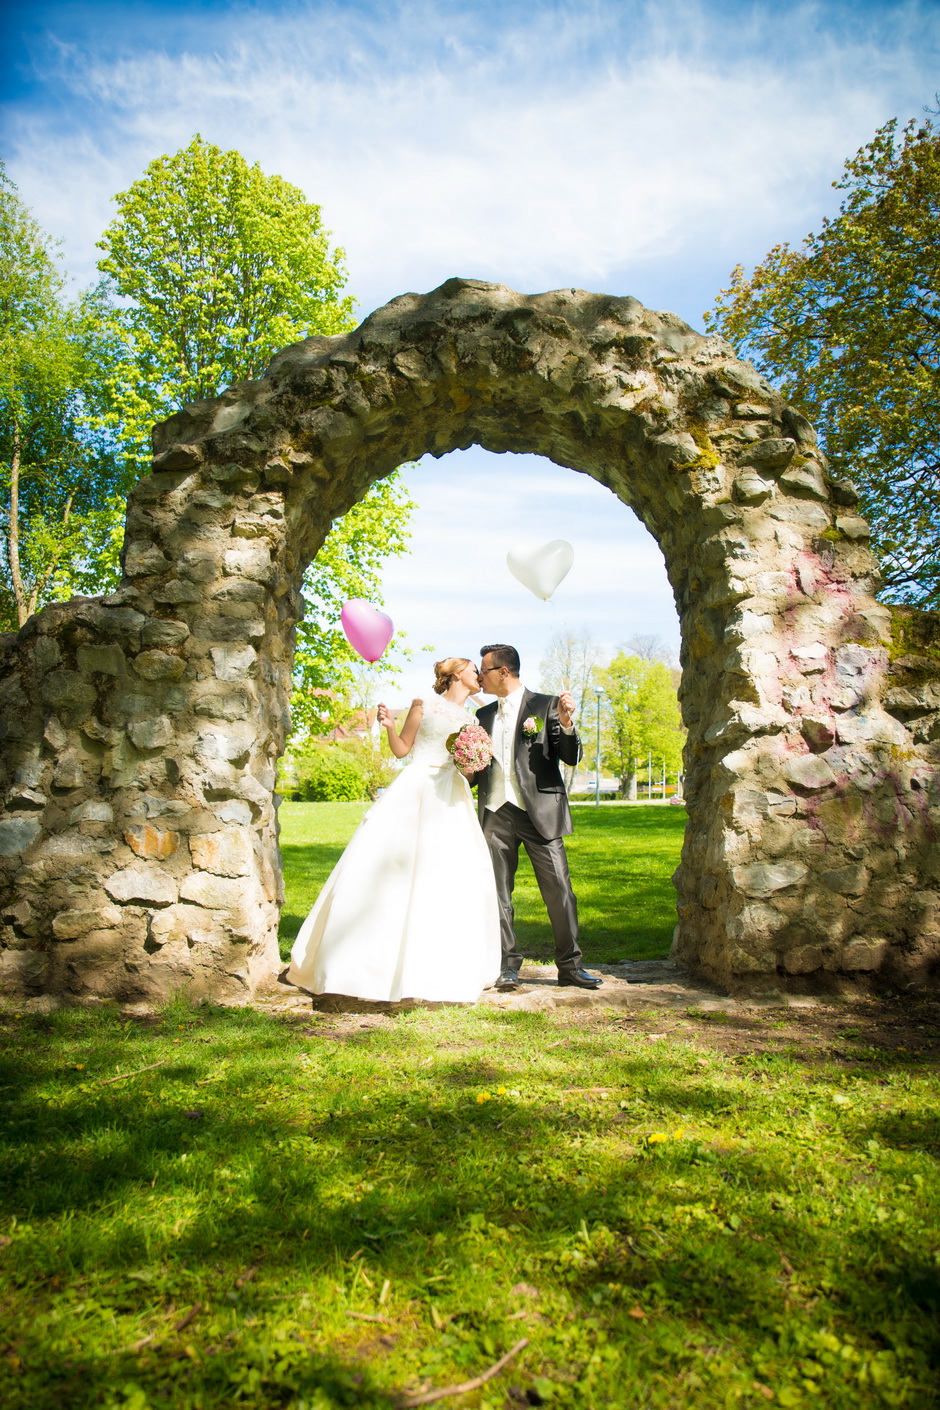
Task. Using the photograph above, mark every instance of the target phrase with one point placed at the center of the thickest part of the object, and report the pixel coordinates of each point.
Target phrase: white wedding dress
(409, 911)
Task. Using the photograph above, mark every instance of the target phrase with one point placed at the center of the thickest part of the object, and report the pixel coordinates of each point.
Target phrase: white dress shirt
(504, 787)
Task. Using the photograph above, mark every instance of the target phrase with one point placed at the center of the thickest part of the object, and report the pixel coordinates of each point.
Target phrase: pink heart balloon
(368, 630)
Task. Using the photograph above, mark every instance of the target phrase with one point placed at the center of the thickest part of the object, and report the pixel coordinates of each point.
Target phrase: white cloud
(535, 145)
(625, 145)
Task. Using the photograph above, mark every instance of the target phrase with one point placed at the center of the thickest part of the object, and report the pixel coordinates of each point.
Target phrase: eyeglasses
(485, 670)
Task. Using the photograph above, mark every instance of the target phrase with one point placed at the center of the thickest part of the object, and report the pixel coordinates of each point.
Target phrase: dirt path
(655, 997)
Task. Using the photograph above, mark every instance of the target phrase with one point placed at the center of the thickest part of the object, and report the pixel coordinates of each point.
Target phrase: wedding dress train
(410, 909)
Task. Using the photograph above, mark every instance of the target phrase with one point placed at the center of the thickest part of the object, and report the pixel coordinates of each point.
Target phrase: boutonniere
(532, 727)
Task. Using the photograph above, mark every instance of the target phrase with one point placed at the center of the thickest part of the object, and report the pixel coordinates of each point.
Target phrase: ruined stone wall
(140, 732)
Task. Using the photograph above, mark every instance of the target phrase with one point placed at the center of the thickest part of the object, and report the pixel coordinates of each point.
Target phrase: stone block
(864, 954)
(743, 962)
(54, 735)
(26, 800)
(804, 959)
(68, 772)
(17, 913)
(220, 704)
(69, 693)
(151, 842)
(233, 663)
(853, 660)
(105, 660)
(198, 566)
(811, 659)
(161, 631)
(145, 886)
(46, 654)
(214, 892)
(16, 834)
(178, 923)
(805, 480)
(110, 618)
(771, 454)
(853, 526)
(71, 925)
(23, 969)
(846, 881)
(94, 810)
(227, 853)
(159, 666)
(252, 563)
(174, 593)
(819, 732)
(808, 771)
(155, 733)
(751, 488)
(143, 559)
(764, 878)
(178, 457)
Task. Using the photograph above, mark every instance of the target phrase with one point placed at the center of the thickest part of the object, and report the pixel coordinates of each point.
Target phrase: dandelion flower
(500, 1091)
(656, 1137)
(483, 1096)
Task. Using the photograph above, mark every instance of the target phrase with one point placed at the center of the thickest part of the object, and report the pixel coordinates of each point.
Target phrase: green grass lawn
(621, 861)
(314, 1210)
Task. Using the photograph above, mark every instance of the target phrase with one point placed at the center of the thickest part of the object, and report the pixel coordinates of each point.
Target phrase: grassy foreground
(621, 861)
(228, 1208)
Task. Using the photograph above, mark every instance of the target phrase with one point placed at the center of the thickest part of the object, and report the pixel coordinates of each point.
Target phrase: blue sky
(634, 148)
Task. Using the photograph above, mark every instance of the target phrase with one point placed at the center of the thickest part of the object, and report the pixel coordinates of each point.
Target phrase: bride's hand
(385, 716)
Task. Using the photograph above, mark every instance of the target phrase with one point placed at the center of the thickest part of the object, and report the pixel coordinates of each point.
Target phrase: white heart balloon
(541, 569)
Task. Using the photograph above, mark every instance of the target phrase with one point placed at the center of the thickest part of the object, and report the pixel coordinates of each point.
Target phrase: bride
(410, 910)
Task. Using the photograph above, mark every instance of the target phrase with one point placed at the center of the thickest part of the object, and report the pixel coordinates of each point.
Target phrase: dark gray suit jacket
(537, 761)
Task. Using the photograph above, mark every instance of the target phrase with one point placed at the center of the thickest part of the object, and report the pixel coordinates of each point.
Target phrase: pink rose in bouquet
(471, 747)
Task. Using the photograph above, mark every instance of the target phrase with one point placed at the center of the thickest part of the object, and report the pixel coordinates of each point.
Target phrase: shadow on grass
(483, 1195)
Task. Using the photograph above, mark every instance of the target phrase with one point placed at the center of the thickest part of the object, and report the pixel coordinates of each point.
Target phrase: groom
(522, 798)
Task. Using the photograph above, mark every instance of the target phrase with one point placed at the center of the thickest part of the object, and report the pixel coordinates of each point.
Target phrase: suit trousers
(504, 829)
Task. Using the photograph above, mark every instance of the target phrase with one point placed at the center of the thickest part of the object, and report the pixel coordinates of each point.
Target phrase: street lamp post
(597, 757)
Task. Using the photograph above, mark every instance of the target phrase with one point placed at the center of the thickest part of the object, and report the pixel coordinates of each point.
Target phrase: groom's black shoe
(508, 979)
(579, 977)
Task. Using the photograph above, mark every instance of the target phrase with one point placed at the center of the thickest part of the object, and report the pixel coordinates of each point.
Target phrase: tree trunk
(13, 534)
(628, 786)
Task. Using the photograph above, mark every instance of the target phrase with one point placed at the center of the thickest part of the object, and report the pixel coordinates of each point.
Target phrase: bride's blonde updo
(446, 672)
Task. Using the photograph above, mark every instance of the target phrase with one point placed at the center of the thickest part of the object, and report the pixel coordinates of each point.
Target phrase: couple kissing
(419, 906)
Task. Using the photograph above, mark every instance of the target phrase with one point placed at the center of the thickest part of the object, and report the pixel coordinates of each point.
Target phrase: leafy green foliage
(220, 266)
(328, 774)
(848, 325)
(621, 859)
(331, 682)
(318, 1210)
(59, 476)
(640, 715)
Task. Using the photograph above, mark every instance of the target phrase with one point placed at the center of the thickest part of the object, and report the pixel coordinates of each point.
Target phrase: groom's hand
(565, 709)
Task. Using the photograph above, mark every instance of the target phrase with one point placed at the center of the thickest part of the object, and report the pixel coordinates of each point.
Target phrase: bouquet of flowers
(471, 747)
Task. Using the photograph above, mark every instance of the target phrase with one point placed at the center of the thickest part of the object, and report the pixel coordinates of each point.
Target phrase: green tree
(218, 266)
(848, 326)
(640, 717)
(59, 476)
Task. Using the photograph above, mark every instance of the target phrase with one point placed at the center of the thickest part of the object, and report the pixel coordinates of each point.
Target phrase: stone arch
(142, 730)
